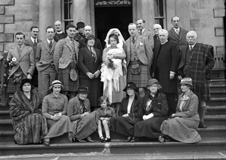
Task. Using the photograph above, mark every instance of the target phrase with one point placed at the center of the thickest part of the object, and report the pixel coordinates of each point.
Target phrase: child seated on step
(105, 112)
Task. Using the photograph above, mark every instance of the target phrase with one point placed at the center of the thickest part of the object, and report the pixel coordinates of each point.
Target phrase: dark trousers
(172, 102)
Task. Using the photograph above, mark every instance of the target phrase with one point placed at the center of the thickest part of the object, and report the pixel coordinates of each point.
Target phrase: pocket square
(141, 44)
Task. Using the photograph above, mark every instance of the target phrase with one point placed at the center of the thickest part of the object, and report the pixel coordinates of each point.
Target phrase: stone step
(4, 114)
(116, 147)
(210, 132)
(216, 101)
(216, 110)
(215, 120)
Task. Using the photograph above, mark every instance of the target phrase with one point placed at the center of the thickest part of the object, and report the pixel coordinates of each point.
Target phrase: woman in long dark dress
(155, 110)
(90, 63)
(28, 123)
(130, 112)
(182, 126)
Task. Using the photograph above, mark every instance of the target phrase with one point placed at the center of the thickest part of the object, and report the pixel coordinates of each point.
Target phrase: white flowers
(14, 59)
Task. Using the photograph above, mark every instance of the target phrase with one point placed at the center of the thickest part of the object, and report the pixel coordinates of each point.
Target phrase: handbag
(135, 67)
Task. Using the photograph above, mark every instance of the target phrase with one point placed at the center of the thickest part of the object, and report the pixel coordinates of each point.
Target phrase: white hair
(163, 31)
(192, 33)
(157, 26)
(88, 27)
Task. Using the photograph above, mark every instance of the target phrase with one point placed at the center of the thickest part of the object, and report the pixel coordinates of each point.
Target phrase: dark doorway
(112, 17)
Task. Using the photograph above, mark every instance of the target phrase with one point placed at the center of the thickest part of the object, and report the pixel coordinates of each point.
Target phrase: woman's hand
(97, 73)
(110, 56)
(29, 76)
(90, 75)
(55, 117)
(173, 115)
(85, 114)
(125, 115)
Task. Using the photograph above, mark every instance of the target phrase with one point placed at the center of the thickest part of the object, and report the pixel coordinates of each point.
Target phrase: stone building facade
(203, 16)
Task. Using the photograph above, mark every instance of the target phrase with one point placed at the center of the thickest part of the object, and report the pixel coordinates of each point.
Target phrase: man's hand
(90, 75)
(29, 76)
(97, 73)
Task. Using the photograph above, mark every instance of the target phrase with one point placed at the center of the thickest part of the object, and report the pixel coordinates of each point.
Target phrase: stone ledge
(7, 2)
(6, 19)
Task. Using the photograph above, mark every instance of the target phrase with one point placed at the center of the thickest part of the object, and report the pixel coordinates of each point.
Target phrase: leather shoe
(129, 139)
(46, 141)
(202, 125)
(107, 139)
(88, 139)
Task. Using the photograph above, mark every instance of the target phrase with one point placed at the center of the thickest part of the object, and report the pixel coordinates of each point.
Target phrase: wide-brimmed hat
(55, 82)
(187, 81)
(26, 80)
(91, 36)
(83, 89)
(130, 85)
(154, 81)
(80, 25)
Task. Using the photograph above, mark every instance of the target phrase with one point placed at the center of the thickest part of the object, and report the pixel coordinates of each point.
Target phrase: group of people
(136, 83)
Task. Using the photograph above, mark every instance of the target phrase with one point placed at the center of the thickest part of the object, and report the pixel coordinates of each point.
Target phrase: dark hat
(91, 36)
(26, 80)
(54, 83)
(186, 80)
(80, 25)
(152, 81)
(131, 85)
(83, 89)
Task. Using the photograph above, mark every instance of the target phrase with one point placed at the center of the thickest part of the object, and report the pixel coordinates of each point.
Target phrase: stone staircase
(213, 137)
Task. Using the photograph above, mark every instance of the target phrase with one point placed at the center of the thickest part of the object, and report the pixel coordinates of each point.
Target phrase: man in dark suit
(80, 35)
(197, 61)
(87, 32)
(59, 33)
(44, 62)
(164, 68)
(32, 42)
(177, 35)
(139, 58)
(156, 28)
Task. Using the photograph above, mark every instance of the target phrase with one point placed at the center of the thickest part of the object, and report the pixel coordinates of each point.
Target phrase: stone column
(81, 11)
(46, 16)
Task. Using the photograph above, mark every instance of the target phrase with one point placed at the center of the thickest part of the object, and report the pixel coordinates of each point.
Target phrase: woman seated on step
(54, 108)
(155, 110)
(84, 122)
(28, 123)
(130, 112)
(182, 126)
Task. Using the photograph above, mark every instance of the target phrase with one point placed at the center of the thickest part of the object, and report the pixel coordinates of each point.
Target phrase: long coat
(87, 64)
(166, 59)
(25, 60)
(125, 125)
(183, 127)
(151, 127)
(200, 65)
(178, 40)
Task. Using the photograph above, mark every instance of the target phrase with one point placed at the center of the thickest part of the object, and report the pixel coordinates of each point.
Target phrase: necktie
(177, 31)
(140, 32)
(133, 39)
(35, 42)
(50, 44)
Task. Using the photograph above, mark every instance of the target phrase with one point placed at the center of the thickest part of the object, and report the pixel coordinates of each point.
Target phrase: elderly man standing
(66, 61)
(44, 62)
(139, 58)
(197, 61)
(177, 35)
(156, 28)
(59, 33)
(21, 59)
(164, 68)
(87, 32)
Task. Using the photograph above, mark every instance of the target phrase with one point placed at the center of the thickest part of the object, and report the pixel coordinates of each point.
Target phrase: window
(67, 12)
(159, 6)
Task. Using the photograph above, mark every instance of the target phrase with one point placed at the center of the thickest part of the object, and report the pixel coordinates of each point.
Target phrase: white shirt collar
(164, 42)
(49, 41)
(33, 40)
(60, 32)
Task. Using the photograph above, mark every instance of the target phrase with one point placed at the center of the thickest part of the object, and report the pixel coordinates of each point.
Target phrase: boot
(202, 113)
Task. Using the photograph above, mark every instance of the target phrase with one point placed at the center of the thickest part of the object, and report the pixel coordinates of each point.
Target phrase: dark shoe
(46, 141)
(88, 139)
(102, 139)
(107, 139)
(129, 139)
(134, 140)
(202, 125)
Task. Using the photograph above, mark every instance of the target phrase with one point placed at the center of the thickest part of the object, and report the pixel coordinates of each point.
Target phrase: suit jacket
(178, 40)
(44, 55)
(64, 52)
(157, 42)
(143, 48)
(28, 42)
(86, 61)
(201, 62)
(190, 108)
(136, 108)
(149, 36)
(166, 59)
(25, 60)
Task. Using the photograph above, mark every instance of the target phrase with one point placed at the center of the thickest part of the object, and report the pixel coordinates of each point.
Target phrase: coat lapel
(15, 53)
(68, 43)
(46, 45)
(23, 51)
(128, 46)
(138, 40)
(53, 46)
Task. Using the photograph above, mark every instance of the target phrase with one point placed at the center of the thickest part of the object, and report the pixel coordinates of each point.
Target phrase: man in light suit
(66, 61)
(177, 35)
(44, 62)
(139, 58)
(144, 32)
(21, 60)
(32, 42)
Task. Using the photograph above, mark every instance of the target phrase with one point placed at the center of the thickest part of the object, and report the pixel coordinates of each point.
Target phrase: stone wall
(15, 16)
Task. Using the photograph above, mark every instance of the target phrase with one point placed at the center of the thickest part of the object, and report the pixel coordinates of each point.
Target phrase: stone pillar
(81, 11)
(145, 10)
(46, 16)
